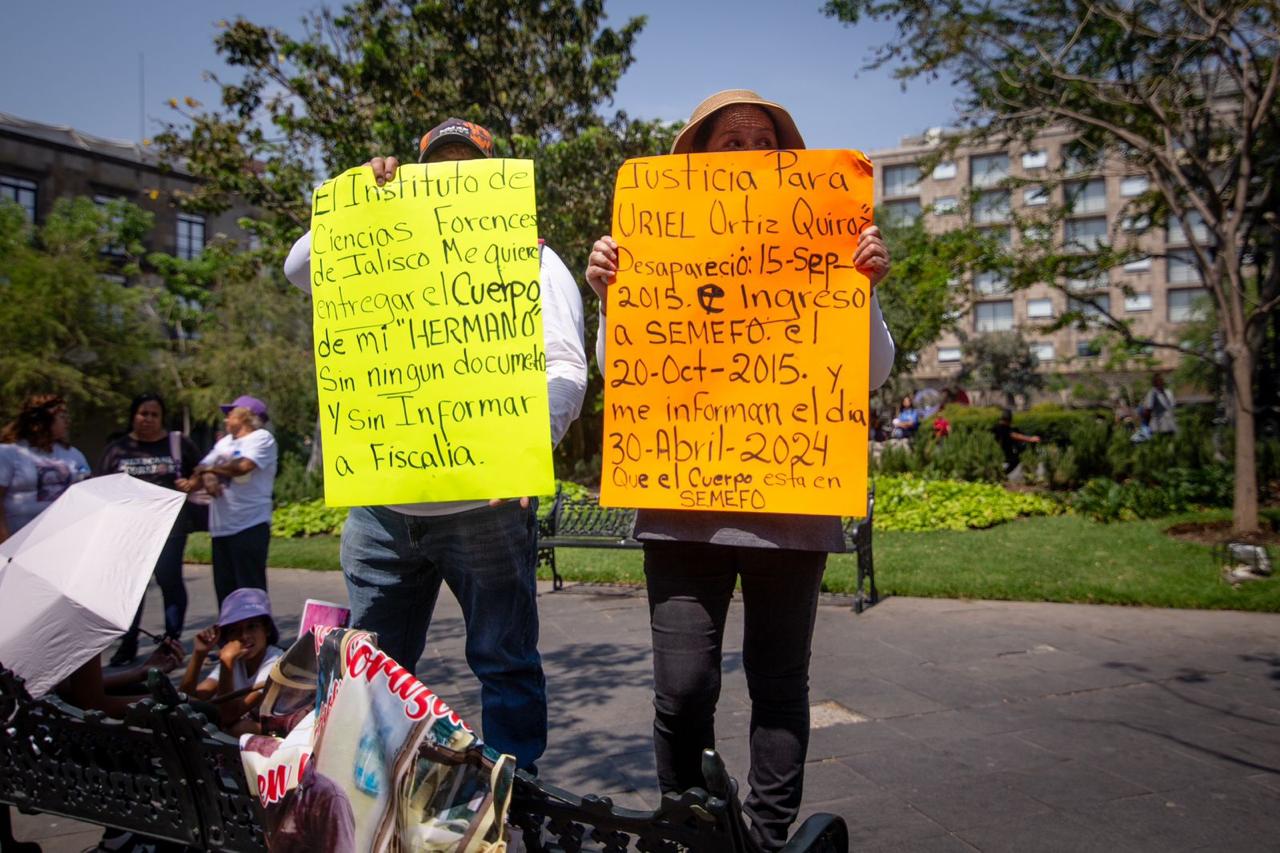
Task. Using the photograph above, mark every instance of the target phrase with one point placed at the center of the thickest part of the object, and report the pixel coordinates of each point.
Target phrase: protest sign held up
(736, 359)
(429, 352)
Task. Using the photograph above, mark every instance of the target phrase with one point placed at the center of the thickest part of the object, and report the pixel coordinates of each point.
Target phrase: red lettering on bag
(273, 785)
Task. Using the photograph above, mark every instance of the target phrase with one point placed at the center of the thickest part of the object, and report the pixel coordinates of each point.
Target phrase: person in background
(907, 421)
(239, 473)
(1158, 408)
(394, 558)
(693, 560)
(150, 452)
(37, 461)
(247, 637)
(1010, 440)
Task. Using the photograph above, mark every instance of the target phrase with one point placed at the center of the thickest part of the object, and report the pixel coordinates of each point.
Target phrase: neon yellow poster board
(430, 360)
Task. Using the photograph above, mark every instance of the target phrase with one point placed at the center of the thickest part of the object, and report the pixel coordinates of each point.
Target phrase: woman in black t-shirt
(150, 452)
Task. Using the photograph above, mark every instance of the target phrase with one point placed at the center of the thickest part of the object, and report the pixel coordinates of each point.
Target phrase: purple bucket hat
(247, 603)
(244, 401)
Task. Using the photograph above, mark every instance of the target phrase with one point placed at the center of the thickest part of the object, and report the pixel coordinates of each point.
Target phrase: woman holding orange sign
(692, 560)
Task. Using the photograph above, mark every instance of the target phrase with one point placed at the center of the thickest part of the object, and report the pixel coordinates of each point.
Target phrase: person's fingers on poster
(384, 168)
(872, 257)
(206, 640)
(602, 265)
(524, 501)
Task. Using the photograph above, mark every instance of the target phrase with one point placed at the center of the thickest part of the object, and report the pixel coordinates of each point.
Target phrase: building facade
(1160, 291)
(40, 163)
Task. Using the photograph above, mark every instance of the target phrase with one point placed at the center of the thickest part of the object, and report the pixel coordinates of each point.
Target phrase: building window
(1098, 281)
(1001, 236)
(104, 201)
(1137, 302)
(988, 170)
(1035, 196)
(1187, 304)
(990, 283)
(904, 211)
(993, 316)
(948, 355)
(901, 180)
(1133, 185)
(944, 171)
(1038, 232)
(1086, 235)
(190, 236)
(1092, 309)
(1182, 268)
(1039, 309)
(1087, 196)
(1178, 233)
(1135, 224)
(1079, 163)
(1035, 160)
(21, 192)
(1138, 265)
(1043, 351)
(1088, 349)
(945, 204)
(991, 207)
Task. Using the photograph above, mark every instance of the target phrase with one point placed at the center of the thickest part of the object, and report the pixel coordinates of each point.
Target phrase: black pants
(690, 586)
(240, 560)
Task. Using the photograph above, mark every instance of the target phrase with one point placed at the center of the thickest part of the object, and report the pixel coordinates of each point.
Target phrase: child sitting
(247, 636)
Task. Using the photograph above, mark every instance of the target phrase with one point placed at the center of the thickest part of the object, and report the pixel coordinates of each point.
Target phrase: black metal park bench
(586, 524)
(164, 772)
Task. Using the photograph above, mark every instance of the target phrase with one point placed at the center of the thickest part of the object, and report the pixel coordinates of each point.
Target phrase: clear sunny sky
(75, 62)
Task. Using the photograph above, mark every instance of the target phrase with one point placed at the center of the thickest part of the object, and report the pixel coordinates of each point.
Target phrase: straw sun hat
(788, 135)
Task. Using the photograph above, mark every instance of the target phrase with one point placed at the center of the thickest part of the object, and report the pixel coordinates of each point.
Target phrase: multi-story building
(40, 163)
(1164, 290)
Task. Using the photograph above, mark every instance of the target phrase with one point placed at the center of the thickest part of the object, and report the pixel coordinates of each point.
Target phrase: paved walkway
(939, 725)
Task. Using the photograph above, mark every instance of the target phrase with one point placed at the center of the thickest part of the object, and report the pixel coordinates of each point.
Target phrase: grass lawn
(1062, 558)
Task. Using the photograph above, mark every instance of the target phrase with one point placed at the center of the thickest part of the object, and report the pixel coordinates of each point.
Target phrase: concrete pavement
(938, 725)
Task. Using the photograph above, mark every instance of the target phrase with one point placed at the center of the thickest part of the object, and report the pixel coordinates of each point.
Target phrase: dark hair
(34, 423)
(146, 397)
(702, 138)
(1006, 415)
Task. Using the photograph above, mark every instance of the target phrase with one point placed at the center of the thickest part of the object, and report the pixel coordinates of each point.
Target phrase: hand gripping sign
(736, 349)
(430, 361)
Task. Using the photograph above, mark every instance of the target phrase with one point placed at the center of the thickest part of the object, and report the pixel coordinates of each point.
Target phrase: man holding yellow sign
(741, 340)
(447, 337)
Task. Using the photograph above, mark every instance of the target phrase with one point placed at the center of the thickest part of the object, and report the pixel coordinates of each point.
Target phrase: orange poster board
(736, 335)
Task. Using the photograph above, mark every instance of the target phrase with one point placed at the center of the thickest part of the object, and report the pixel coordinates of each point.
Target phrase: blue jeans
(394, 563)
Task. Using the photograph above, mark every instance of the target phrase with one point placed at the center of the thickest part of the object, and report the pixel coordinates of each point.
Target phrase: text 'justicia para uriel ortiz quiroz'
(430, 362)
(736, 335)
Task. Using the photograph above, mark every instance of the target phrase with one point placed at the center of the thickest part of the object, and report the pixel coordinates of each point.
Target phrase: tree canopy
(1182, 92)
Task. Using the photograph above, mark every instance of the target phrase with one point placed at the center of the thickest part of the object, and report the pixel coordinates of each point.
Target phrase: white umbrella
(71, 580)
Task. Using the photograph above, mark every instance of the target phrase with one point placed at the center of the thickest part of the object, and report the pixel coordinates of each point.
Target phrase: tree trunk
(1244, 515)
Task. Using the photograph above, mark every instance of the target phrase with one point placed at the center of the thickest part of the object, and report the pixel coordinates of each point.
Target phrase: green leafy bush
(1090, 440)
(912, 504)
(307, 518)
(974, 456)
(895, 458)
(294, 483)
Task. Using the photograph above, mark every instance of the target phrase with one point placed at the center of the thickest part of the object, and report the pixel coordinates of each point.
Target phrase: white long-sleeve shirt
(562, 332)
(882, 348)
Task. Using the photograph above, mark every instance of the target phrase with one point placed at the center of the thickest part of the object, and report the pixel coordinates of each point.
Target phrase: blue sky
(75, 62)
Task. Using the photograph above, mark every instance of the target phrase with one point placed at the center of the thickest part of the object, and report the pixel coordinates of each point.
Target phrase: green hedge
(1049, 421)
(911, 504)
